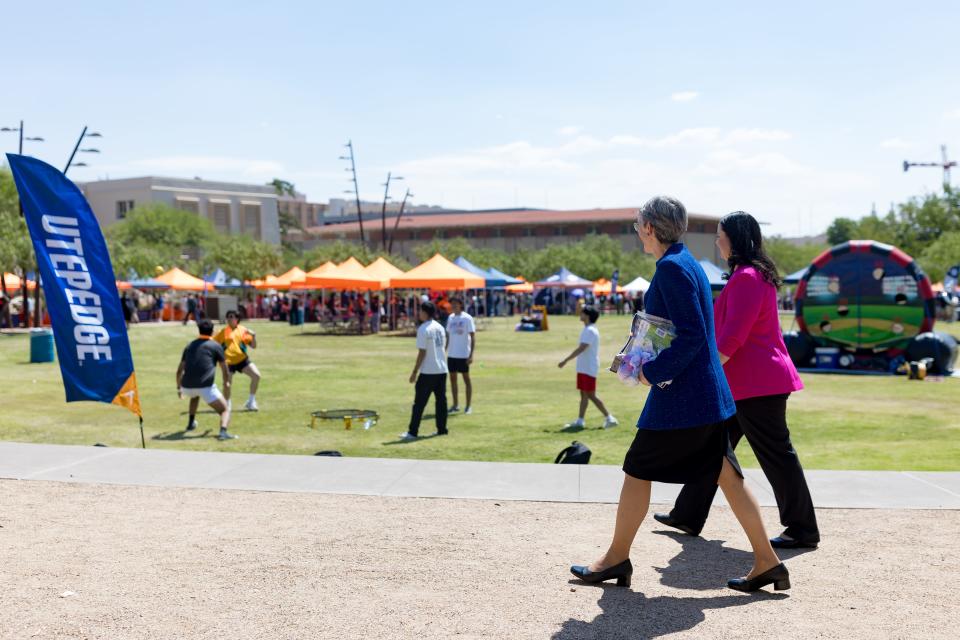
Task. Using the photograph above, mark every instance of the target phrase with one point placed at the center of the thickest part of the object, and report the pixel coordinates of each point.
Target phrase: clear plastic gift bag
(649, 336)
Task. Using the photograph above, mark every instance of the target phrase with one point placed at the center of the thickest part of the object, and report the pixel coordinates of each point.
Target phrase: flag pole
(143, 440)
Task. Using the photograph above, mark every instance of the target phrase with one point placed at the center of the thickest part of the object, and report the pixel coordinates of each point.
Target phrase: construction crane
(944, 164)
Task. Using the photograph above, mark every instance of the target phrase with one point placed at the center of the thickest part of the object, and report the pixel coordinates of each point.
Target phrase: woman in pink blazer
(761, 377)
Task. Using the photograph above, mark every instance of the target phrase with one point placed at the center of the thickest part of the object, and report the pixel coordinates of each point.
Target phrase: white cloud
(684, 96)
(712, 169)
(894, 143)
(569, 130)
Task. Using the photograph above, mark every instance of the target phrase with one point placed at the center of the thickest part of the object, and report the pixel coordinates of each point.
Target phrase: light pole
(396, 223)
(356, 189)
(20, 131)
(383, 210)
(24, 311)
(83, 134)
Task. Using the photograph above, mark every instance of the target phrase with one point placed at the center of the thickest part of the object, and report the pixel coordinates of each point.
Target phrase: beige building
(516, 229)
(232, 208)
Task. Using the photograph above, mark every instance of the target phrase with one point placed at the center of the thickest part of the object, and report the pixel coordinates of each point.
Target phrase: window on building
(593, 230)
(188, 204)
(626, 229)
(559, 231)
(220, 216)
(498, 232)
(250, 215)
(123, 208)
(469, 233)
(528, 232)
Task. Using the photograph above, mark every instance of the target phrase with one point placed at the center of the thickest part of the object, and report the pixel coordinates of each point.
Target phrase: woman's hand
(643, 379)
(561, 364)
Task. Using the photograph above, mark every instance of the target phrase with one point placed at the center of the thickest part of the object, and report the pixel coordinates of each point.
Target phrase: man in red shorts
(588, 366)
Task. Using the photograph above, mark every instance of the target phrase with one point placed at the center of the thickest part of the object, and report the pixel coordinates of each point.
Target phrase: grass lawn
(522, 402)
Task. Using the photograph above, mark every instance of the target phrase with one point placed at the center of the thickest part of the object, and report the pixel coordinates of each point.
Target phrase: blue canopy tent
(564, 280)
(796, 276)
(501, 277)
(463, 263)
(714, 274)
(221, 280)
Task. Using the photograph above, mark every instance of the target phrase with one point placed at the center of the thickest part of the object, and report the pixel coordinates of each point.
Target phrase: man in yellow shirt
(236, 339)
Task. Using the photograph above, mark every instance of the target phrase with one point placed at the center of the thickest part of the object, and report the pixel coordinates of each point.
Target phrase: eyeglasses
(636, 227)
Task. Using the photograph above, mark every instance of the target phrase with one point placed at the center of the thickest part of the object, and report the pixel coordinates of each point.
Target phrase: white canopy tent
(637, 284)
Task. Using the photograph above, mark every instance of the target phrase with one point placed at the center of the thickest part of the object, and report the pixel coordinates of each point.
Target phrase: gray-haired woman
(681, 436)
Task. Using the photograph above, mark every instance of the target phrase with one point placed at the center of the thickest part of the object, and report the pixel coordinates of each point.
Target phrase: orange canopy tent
(288, 279)
(13, 282)
(266, 282)
(349, 274)
(602, 287)
(383, 270)
(438, 273)
(326, 267)
(180, 280)
(524, 287)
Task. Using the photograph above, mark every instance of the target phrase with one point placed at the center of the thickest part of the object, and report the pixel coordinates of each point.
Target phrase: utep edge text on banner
(79, 286)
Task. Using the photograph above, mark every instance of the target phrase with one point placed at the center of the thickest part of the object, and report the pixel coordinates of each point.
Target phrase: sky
(797, 114)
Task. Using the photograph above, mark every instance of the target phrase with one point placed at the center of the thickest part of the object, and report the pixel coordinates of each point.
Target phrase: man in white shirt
(432, 367)
(461, 341)
(588, 366)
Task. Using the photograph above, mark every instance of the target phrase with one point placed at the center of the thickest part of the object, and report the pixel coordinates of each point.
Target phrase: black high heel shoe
(779, 577)
(622, 572)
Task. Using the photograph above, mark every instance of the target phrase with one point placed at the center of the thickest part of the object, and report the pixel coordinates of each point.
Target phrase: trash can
(41, 345)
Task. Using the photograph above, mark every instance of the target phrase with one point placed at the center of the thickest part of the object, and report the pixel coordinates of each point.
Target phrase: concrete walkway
(435, 478)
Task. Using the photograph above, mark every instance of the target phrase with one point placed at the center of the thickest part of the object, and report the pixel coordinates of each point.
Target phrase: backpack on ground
(576, 453)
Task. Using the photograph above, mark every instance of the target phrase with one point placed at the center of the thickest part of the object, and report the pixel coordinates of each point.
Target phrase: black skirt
(680, 456)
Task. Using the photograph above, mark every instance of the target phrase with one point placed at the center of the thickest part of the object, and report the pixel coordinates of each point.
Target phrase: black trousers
(763, 421)
(430, 384)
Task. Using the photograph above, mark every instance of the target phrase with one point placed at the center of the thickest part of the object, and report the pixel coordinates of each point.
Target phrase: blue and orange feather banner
(79, 287)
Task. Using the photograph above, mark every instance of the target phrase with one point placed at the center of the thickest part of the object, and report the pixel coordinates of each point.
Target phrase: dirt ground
(91, 561)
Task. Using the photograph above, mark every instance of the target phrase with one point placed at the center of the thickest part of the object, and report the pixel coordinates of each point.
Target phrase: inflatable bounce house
(866, 306)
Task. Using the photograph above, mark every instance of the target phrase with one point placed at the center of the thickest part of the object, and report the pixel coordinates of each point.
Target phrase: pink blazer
(748, 331)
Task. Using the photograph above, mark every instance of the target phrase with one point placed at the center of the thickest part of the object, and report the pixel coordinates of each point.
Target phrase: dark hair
(205, 327)
(429, 308)
(456, 299)
(232, 314)
(746, 246)
(592, 313)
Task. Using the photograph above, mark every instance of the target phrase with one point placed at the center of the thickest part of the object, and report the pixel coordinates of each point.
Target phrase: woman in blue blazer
(680, 434)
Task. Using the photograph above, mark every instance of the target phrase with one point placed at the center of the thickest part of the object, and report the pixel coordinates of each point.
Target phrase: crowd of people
(725, 376)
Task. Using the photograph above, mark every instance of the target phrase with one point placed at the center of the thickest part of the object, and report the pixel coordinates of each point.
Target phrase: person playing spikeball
(196, 378)
(236, 339)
